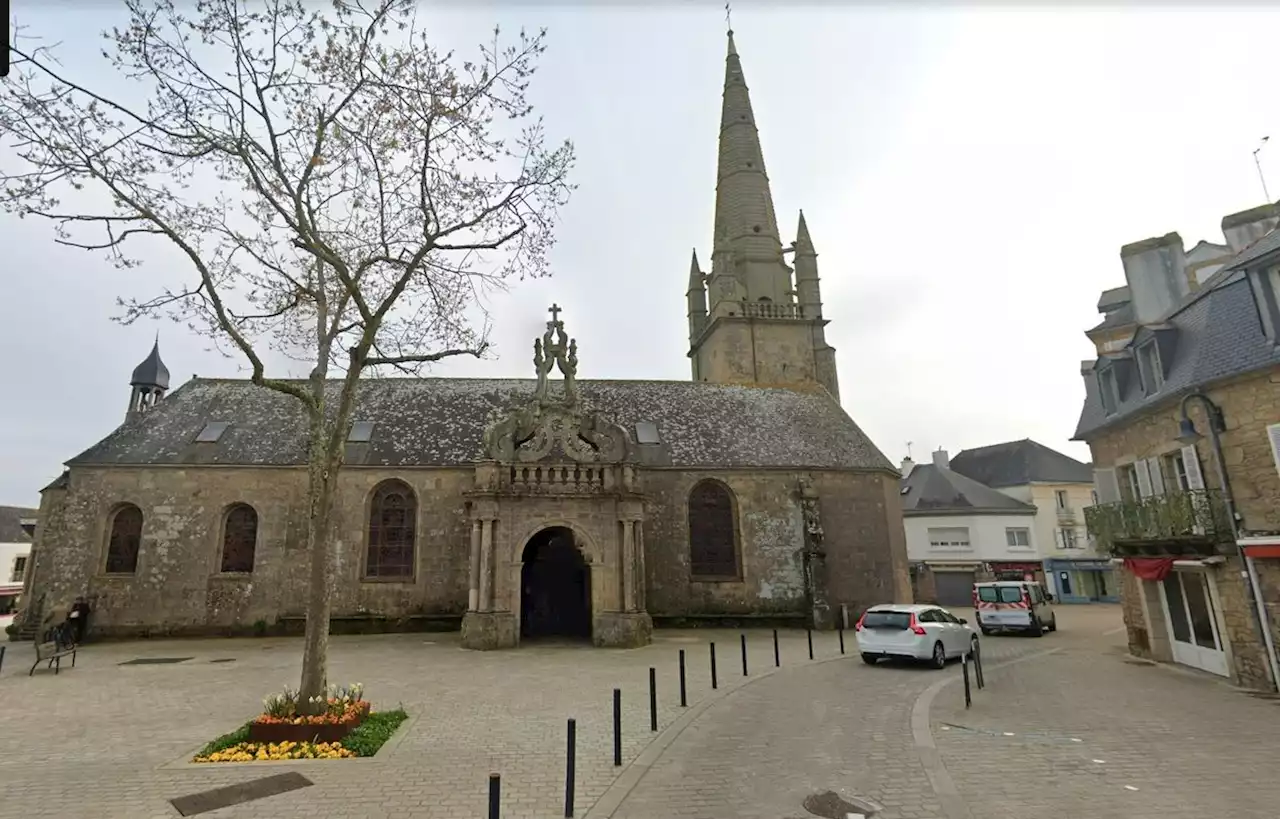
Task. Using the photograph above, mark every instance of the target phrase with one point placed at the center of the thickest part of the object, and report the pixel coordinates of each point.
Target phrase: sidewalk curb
(953, 804)
(625, 782)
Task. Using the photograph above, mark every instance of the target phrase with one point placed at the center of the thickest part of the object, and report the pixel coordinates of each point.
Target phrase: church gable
(441, 422)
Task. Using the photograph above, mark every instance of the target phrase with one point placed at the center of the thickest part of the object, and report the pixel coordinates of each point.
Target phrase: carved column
(485, 602)
(642, 581)
(473, 588)
(627, 570)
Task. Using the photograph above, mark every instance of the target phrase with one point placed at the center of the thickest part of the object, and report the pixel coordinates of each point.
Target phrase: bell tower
(752, 318)
(149, 383)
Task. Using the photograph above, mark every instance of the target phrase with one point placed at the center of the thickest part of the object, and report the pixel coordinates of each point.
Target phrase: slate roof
(151, 372)
(439, 422)
(1217, 335)
(11, 530)
(930, 490)
(1018, 463)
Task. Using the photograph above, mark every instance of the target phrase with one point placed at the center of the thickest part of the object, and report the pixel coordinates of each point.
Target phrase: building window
(392, 514)
(239, 538)
(19, 569)
(125, 540)
(1069, 538)
(949, 537)
(1149, 368)
(1129, 487)
(1107, 390)
(1018, 537)
(713, 532)
(1060, 499)
(1177, 467)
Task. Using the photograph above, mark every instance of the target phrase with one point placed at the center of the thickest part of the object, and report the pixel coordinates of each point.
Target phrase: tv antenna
(1257, 162)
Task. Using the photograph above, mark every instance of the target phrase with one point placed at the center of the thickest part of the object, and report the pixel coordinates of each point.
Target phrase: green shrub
(225, 741)
(373, 733)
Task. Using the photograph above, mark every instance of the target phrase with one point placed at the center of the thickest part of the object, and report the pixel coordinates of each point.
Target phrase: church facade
(512, 509)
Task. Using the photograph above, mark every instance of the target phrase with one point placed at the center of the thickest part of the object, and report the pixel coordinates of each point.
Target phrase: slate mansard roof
(1216, 334)
(11, 518)
(1018, 463)
(440, 421)
(930, 490)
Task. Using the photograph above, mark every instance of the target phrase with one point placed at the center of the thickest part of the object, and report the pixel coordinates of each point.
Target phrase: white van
(1013, 605)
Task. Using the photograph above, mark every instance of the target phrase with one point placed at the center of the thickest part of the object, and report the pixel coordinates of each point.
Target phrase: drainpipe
(1253, 589)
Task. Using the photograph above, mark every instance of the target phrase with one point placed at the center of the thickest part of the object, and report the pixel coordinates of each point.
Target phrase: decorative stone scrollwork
(812, 516)
(548, 424)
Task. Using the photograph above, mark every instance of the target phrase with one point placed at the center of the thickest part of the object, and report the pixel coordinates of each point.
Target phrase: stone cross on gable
(555, 316)
(556, 349)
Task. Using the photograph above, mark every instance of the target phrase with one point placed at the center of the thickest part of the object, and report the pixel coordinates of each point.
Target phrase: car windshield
(988, 594)
(1010, 594)
(887, 619)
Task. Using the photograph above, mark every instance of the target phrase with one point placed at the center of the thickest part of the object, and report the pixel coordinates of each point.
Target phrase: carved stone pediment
(550, 426)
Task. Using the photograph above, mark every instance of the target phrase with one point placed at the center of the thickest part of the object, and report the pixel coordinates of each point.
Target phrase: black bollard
(570, 765)
(713, 666)
(842, 639)
(495, 795)
(744, 655)
(653, 699)
(2, 658)
(977, 665)
(684, 697)
(809, 633)
(964, 669)
(617, 727)
(777, 660)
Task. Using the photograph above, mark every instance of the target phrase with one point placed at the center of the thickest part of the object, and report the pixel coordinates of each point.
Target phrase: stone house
(1060, 488)
(1182, 414)
(960, 531)
(513, 508)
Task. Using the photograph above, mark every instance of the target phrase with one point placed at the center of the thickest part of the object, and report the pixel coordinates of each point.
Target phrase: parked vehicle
(1013, 605)
(913, 632)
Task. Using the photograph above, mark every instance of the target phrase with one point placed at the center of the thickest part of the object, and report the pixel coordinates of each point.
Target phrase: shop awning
(7, 589)
(1260, 546)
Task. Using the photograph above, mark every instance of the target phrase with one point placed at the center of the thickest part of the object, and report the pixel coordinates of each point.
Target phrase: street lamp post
(1189, 436)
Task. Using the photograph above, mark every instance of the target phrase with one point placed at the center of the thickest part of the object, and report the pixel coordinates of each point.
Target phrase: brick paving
(105, 740)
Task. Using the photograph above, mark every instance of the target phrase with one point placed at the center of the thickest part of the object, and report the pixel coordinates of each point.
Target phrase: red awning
(1149, 568)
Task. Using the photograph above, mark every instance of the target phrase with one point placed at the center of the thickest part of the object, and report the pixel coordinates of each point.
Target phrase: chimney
(1156, 272)
(907, 466)
(941, 460)
(1248, 226)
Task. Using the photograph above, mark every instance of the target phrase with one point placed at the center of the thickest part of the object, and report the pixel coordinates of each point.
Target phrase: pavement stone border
(953, 803)
(626, 781)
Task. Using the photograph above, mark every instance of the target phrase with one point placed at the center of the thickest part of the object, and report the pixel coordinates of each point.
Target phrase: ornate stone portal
(553, 463)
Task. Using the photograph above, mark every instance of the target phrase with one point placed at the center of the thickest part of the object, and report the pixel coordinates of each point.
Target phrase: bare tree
(342, 191)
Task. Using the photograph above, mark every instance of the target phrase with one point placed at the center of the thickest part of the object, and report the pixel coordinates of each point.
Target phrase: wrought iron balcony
(1173, 523)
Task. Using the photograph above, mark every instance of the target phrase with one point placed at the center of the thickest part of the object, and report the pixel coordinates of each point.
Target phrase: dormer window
(212, 431)
(1266, 295)
(1150, 368)
(1108, 390)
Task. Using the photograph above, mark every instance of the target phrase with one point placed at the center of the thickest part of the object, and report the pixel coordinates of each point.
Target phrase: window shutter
(1144, 478)
(1107, 486)
(1191, 462)
(1273, 434)
(1157, 477)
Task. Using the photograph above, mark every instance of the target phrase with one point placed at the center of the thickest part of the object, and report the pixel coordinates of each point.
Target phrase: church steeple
(748, 322)
(149, 383)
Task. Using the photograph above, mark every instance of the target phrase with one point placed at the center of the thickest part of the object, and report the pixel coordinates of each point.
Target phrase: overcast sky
(968, 178)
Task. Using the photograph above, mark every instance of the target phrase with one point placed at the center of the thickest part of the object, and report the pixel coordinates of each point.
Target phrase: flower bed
(344, 727)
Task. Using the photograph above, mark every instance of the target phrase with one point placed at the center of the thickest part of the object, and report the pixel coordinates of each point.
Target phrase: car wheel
(870, 659)
(1037, 628)
(1053, 624)
(939, 659)
(986, 632)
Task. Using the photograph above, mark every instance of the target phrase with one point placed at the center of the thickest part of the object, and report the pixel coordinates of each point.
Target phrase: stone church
(512, 509)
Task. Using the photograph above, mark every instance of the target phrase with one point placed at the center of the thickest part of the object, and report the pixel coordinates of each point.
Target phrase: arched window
(713, 536)
(391, 523)
(239, 538)
(125, 540)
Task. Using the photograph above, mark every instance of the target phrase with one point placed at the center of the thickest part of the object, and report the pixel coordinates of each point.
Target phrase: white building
(17, 528)
(960, 531)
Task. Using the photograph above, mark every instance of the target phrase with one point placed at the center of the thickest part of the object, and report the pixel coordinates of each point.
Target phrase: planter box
(285, 732)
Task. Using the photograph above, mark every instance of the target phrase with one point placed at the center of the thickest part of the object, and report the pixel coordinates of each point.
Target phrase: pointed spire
(804, 245)
(151, 372)
(695, 273)
(744, 203)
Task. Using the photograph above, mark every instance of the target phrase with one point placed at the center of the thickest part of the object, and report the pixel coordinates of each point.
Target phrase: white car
(913, 632)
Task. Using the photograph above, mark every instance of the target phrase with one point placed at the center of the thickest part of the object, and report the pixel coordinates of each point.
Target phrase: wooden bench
(52, 646)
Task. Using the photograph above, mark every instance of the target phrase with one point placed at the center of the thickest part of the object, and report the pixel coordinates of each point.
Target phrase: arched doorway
(555, 587)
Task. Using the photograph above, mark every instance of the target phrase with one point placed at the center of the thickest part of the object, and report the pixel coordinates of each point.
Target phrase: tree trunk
(321, 485)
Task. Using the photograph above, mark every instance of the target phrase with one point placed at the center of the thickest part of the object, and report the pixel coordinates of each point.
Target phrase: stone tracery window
(713, 532)
(125, 540)
(239, 538)
(392, 514)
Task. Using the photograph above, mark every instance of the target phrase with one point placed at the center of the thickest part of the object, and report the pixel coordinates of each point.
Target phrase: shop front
(1083, 581)
(1023, 570)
